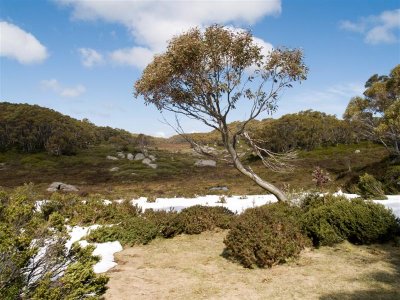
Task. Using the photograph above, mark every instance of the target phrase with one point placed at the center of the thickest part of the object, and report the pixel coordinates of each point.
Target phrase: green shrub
(196, 219)
(89, 210)
(370, 188)
(131, 232)
(266, 235)
(167, 223)
(391, 180)
(328, 220)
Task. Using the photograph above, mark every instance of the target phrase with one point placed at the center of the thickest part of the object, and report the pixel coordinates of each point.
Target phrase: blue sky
(82, 57)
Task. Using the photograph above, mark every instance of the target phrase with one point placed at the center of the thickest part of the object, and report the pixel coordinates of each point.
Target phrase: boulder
(115, 169)
(139, 156)
(59, 186)
(121, 154)
(152, 157)
(130, 156)
(219, 188)
(205, 163)
(146, 161)
(111, 157)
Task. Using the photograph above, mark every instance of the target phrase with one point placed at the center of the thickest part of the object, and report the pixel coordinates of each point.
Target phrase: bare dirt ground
(191, 267)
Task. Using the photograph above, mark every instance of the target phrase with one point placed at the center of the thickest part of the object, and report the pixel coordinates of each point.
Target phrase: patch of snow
(107, 202)
(104, 250)
(77, 232)
(234, 203)
(40, 203)
(238, 204)
(392, 202)
(119, 201)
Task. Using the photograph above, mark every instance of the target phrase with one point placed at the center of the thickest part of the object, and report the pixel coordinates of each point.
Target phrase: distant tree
(376, 115)
(205, 74)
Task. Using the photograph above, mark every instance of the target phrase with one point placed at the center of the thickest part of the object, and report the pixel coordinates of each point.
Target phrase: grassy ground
(176, 174)
(191, 267)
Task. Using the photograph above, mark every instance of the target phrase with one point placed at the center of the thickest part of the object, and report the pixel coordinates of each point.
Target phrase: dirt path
(190, 267)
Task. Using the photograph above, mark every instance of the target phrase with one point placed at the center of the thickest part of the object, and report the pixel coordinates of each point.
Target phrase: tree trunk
(262, 183)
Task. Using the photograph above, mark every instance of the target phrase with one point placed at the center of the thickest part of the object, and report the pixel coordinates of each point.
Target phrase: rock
(357, 151)
(139, 156)
(111, 157)
(121, 154)
(205, 163)
(219, 188)
(130, 156)
(152, 157)
(146, 161)
(115, 169)
(59, 186)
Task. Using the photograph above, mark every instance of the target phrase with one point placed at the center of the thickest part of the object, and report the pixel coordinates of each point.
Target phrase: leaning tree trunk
(249, 173)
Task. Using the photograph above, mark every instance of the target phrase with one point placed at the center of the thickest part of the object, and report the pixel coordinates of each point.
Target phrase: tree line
(31, 128)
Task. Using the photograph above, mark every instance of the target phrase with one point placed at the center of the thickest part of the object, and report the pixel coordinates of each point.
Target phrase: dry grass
(191, 267)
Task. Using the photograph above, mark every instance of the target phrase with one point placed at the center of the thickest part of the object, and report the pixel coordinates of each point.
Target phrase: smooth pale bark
(262, 183)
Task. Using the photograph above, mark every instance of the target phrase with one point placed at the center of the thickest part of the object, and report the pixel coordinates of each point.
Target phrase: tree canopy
(205, 74)
(377, 114)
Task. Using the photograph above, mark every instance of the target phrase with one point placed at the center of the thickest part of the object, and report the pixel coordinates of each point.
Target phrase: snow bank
(234, 203)
(238, 204)
(104, 250)
(392, 202)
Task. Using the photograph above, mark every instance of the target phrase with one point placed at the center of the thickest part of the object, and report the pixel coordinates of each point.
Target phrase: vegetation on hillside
(31, 128)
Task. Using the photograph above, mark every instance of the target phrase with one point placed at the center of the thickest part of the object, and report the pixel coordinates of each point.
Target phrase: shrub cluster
(143, 228)
(370, 188)
(266, 235)
(129, 232)
(328, 220)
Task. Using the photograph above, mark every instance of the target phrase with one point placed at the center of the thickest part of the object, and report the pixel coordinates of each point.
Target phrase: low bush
(131, 232)
(196, 219)
(328, 220)
(266, 235)
(370, 188)
(391, 180)
(167, 223)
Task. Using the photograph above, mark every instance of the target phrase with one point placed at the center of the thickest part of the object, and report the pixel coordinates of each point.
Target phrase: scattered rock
(146, 161)
(111, 157)
(59, 186)
(130, 156)
(357, 151)
(139, 156)
(121, 154)
(152, 157)
(219, 188)
(115, 169)
(205, 163)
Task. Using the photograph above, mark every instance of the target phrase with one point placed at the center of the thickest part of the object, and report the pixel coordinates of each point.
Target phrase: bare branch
(277, 162)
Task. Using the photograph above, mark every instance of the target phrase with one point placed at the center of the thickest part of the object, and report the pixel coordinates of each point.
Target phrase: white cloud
(90, 57)
(18, 44)
(377, 29)
(69, 92)
(153, 23)
(135, 56)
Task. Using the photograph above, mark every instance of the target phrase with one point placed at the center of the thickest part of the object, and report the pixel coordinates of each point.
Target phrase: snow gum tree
(205, 74)
(377, 114)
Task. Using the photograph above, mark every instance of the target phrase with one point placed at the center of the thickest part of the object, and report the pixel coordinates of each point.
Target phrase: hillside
(31, 128)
